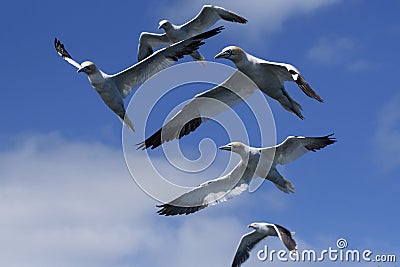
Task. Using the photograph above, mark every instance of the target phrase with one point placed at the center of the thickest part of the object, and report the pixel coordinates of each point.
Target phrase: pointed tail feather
(127, 122)
(290, 104)
(287, 187)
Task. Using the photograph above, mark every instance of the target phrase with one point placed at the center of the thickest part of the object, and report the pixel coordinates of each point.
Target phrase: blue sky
(67, 198)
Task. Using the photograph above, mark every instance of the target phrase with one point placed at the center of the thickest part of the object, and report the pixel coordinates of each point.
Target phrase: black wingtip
(210, 33)
(141, 146)
(332, 139)
(56, 43)
(61, 49)
(171, 210)
(323, 141)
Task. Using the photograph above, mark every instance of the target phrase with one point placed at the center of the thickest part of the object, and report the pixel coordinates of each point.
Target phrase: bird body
(107, 90)
(255, 162)
(270, 77)
(173, 32)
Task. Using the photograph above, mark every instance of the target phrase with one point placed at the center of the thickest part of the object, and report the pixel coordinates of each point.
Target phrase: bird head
(236, 147)
(255, 226)
(233, 53)
(88, 68)
(164, 24)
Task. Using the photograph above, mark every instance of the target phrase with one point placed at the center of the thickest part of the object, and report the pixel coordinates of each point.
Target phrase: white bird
(270, 77)
(114, 88)
(206, 18)
(201, 108)
(261, 231)
(255, 162)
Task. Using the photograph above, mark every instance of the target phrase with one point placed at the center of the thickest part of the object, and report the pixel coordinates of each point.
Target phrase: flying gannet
(270, 77)
(114, 88)
(261, 231)
(255, 162)
(206, 18)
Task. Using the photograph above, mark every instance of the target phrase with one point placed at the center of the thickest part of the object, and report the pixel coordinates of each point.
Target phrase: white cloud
(387, 135)
(65, 203)
(69, 203)
(264, 16)
(331, 50)
(362, 64)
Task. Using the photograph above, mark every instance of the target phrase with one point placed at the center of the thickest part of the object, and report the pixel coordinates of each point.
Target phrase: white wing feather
(296, 146)
(210, 193)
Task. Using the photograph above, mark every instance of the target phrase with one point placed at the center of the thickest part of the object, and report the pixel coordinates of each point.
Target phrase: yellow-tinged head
(164, 24)
(234, 147)
(233, 53)
(88, 67)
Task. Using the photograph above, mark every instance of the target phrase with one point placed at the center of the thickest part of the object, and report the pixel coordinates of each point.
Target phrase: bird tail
(286, 186)
(291, 105)
(198, 57)
(125, 120)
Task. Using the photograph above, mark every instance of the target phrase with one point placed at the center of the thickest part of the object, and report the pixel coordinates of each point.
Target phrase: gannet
(270, 77)
(113, 88)
(206, 18)
(255, 162)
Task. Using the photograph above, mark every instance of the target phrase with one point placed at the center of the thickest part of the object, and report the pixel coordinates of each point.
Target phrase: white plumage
(255, 162)
(206, 18)
(270, 77)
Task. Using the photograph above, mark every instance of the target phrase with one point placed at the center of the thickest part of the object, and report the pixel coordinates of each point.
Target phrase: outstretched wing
(64, 53)
(202, 107)
(207, 17)
(137, 74)
(247, 243)
(286, 72)
(210, 193)
(149, 41)
(296, 146)
(285, 236)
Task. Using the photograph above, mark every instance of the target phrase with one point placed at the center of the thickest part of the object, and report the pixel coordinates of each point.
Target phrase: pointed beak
(249, 226)
(160, 26)
(227, 147)
(222, 55)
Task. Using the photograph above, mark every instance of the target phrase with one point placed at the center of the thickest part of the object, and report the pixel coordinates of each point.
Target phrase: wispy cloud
(331, 50)
(387, 136)
(339, 51)
(67, 203)
(264, 16)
